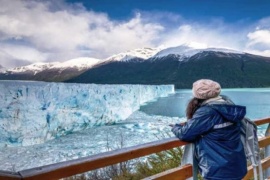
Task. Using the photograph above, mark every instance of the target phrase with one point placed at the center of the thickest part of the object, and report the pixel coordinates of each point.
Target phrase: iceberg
(35, 112)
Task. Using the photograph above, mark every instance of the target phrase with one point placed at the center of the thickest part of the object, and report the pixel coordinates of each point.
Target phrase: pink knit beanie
(205, 89)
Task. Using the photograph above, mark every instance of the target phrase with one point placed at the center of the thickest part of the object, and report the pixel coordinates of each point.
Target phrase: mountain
(182, 66)
(55, 71)
(187, 51)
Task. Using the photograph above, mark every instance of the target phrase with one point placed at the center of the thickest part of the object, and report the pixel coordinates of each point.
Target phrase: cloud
(252, 38)
(206, 35)
(23, 52)
(34, 22)
(9, 61)
(115, 37)
(43, 31)
(259, 37)
(70, 30)
(258, 52)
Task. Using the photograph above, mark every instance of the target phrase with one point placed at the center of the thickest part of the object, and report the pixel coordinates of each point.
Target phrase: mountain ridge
(142, 53)
(179, 65)
(230, 69)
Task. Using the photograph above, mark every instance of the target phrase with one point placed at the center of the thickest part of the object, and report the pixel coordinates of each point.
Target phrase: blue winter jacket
(215, 131)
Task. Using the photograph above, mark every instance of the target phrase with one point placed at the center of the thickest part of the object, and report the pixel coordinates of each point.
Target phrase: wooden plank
(179, 173)
(264, 141)
(265, 164)
(72, 167)
(262, 121)
(7, 175)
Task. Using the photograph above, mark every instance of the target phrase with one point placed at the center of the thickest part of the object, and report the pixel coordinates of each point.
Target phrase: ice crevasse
(34, 112)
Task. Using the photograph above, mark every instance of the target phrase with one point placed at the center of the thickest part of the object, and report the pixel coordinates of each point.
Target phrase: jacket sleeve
(201, 122)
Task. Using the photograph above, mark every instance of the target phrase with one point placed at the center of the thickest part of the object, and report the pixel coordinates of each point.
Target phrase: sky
(33, 31)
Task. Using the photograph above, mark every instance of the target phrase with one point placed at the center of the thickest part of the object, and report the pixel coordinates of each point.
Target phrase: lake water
(257, 101)
(148, 124)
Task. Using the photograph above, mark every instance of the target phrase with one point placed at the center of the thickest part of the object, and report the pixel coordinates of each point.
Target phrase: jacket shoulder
(206, 109)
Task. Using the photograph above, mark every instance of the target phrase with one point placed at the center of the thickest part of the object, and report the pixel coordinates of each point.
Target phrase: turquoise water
(256, 100)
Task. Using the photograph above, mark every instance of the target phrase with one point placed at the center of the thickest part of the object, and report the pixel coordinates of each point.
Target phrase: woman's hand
(171, 125)
(181, 124)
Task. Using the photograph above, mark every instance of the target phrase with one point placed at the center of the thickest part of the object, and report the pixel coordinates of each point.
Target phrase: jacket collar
(215, 99)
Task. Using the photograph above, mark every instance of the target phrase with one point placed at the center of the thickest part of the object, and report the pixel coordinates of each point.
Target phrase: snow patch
(143, 53)
(186, 51)
(78, 63)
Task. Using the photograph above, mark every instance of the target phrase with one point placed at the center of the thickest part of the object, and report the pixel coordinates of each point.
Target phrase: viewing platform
(85, 164)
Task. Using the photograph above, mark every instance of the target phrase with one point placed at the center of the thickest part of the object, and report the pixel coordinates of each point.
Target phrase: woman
(214, 127)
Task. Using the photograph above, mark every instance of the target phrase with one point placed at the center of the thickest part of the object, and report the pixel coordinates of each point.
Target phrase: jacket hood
(233, 113)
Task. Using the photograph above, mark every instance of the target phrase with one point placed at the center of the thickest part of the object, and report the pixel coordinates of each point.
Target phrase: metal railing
(85, 164)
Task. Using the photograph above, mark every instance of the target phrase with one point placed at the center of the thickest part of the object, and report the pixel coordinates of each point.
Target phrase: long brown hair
(192, 106)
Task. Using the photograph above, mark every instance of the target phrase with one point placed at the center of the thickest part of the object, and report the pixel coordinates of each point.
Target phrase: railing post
(195, 168)
(267, 151)
(188, 158)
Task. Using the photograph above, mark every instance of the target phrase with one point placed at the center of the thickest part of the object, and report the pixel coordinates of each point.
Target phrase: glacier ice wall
(34, 112)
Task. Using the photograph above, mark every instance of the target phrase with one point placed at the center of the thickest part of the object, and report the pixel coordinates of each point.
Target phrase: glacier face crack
(35, 112)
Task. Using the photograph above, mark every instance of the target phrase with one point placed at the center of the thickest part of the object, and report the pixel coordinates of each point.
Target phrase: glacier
(35, 112)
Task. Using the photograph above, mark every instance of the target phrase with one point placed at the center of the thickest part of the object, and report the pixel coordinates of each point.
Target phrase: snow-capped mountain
(84, 63)
(77, 63)
(183, 65)
(179, 65)
(143, 53)
(54, 71)
(36, 67)
(184, 51)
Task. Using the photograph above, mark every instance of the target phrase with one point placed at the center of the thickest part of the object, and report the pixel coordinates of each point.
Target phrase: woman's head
(202, 89)
(205, 89)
